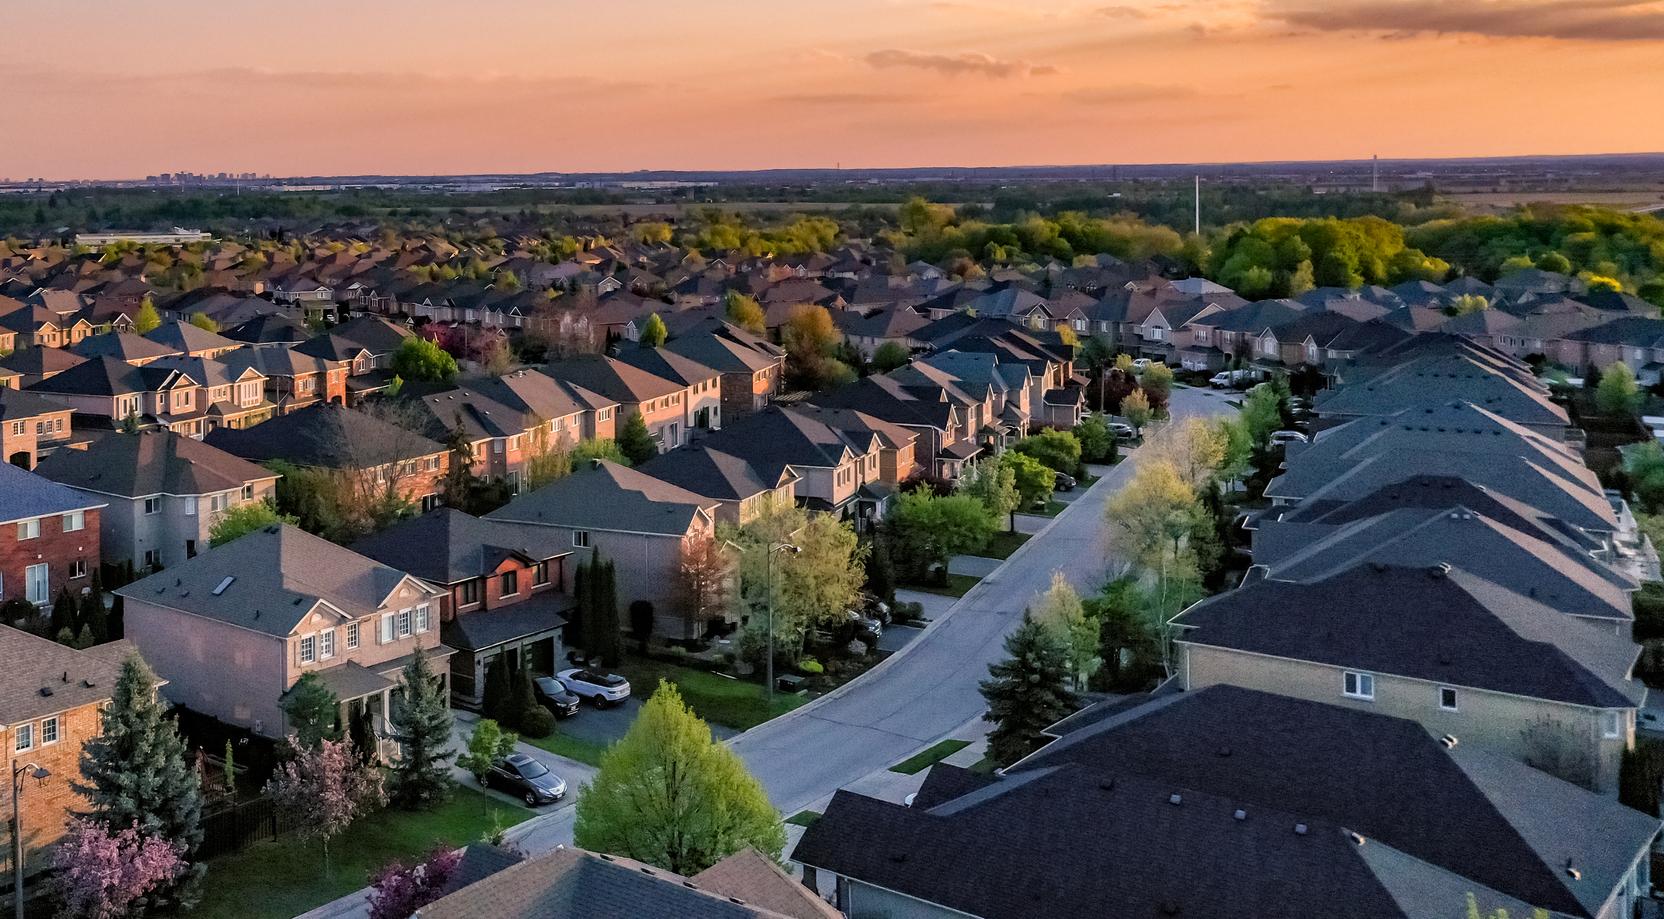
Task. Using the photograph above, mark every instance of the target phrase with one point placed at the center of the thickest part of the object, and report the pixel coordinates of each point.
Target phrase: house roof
(445, 545)
(185, 338)
(17, 403)
(325, 436)
(1444, 379)
(270, 328)
(750, 876)
(1435, 623)
(44, 677)
(271, 579)
(777, 438)
(151, 463)
(613, 378)
(40, 361)
(712, 473)
(25, 495)
(124, 346)
(608, 496)
(1158, 789)
(107, 376)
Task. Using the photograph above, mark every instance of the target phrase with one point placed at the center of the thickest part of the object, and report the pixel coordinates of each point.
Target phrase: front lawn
(958, 585)
(1003, 544)
(563, 744)
(803, 818)
(734, 703)
(285, 877)
(929, 756)
(1052, 509)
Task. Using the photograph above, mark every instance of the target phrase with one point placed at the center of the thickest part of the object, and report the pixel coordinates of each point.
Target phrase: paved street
(929, 688)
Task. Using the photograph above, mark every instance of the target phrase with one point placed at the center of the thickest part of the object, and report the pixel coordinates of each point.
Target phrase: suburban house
(1334, 811)
(234, 628)
(191, 341)
(378, 455)
(1435, 381)
(661, 403)
(111, 393)
(704, 391)
(506, 583)
(31, 426)
(294, 380)
(941, 445)
(751, 367)
(51, 706)
(627, 516)
(31, 365)
(831, 466)
(123, 346)
(235, 398)
(35, 326)
(269, 330)
(48, 537)
(163, 492)
(741, 491)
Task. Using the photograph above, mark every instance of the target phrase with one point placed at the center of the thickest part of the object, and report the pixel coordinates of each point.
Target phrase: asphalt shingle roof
(24, 494)
(150, 463)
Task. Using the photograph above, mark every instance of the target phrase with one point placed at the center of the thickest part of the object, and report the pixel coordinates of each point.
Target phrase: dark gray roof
(150, 463)
(271, 328)
(1426, 623)
(445, 545)
(183, 337)
(612, 378)
(16, 404)
(107, 376)
(324, 436)
(608, 496)
(1442, 380)
(707, 471)
(43, 677)
(124, 346)
(24, 494)
(488, 628)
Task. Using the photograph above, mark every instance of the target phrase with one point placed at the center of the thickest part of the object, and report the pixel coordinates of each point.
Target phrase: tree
(813, 587)
(1157, 383)
(881, 572)
(458, 487)
(890, 355)
(311, 711)
(327, 788)
(635, 443)
(1641, 776)
(1194, 448)
(110, 874)
(1467, 303)
(497, 699)
(420, 777)
(246, 518)
(1058, 450)
(641, 623)
(202, 321)
(1097, 444)
(1499, 913)
(705, 578)
(995, 485)
(1129, 637)
(1150, 517)
(1262, 413)
(550, 462)
(397, 892)
(811, 342)
(94, 618)
(927, 529)
(487, 744)
(1060, 610)
(653, 332)
(1136, 409)
(135, 773)
(1034, 480)
(745, 312)
(422, 360)
(1617, 393)
(670, 795)
(591, 449)
(65, 614)
(1026, 692)
(146, 320)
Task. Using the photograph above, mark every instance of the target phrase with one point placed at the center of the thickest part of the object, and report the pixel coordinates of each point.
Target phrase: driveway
(929, 688)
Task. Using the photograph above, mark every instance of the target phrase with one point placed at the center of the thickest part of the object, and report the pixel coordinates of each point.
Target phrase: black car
(552, 695)
(1062, 482)
(519, 774)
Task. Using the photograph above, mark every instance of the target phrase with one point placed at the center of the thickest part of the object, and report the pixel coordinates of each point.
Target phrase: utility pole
(1375, 172)
(1198, 205)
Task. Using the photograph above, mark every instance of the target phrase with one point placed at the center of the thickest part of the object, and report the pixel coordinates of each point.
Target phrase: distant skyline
(118, 91)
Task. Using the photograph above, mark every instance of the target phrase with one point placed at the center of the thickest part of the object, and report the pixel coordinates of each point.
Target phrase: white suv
(603, 689)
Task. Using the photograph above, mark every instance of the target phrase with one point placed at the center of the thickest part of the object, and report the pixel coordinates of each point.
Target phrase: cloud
(1573, 20)
(1129, 94)
(1122, 12)
(970, 63)
(838, 99)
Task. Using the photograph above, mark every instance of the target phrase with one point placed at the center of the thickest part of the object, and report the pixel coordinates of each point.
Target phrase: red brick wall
(48, 805)
(54, 548)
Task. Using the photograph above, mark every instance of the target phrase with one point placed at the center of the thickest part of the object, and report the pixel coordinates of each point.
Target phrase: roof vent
(87, 684)
(1169, 908)
(46, 690)
(1299, 829)
(736, 900)
(604, 856)
(1449, 741)
(646, 870)
(1106, 785)
(224, 584)
(1357, 838)
(690, 885)
(66, 676)
(1175, 798)
(1572, 871)
(1442, 569)
(1240, 814)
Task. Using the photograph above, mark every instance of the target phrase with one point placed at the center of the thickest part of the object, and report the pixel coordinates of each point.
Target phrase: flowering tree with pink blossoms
(398, 892)
(328, 788)
(109, 875)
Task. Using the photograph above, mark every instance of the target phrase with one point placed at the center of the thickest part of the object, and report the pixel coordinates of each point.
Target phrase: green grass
(285, 877)
(803, 818)
(738, 704)
(1003, 544)
(930, 756)
(1052, 509)
(560, 744)
(983, 766)
(958, 585)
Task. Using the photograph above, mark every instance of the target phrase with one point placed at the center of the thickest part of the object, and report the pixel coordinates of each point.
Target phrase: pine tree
(135, 771)
(93, 618)
(494, 702)
(312, 711)
(421, 779)
(609, 637)
(521, 698)
(881, 571)
(1026, 692)
(65, 613)
(459, 478)
(638, 445)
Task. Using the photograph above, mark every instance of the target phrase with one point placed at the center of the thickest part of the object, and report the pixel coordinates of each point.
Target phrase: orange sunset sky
(123, 88)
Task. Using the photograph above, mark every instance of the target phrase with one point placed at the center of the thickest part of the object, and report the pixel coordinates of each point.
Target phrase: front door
(35, 588)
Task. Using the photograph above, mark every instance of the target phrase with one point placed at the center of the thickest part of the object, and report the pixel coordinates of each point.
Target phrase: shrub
(537, 722)
(907, 611)
(811, 666)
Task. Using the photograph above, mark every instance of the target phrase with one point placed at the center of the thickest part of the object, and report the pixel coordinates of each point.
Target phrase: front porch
(377, 691)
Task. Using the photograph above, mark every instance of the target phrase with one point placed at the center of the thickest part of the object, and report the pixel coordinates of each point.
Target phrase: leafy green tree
(1262, 413)
(1617, 393)
(928, 529)
(202, 321)
(994, 484)
(1096, 441)
(421, 776)
(1554, 261)
(890, 355)
(1129, 638)
(813, 587)
(1058, 450)
(1026, 692)
(487, 744)
(1033, 480)
(311, 710)
(635, 443)
(591, 449)
(670, 795)
(811, 342)
(745, 312)
(1467, 303)
(135, 771)
(423, 361)
(1157, 383)
(1136, 409)
(653, 332)
(1060, 609)
(146, 320)
(246, 518)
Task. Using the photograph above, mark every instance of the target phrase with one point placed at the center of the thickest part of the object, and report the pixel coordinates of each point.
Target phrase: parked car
(519, 774)
(1141, 364)
(863, 627)
(603, 689)
(1122, 430)
(560, 701)
(1226, 379)
(1299, 403)
(1282, 438)
(1063, 482)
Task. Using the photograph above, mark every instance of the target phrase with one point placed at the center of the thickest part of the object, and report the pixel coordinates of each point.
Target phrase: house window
(603, 414)
(1358, 685)
(1447, 698)
(153, 505)
(28, 529)
(308, 649)
(352, 635)
(190, 507)
(326, 645)
(404, 623)
(580, 538)
(470, 592)
(17, 429)
(74, 520)
(1610, 725)
(511, 584)
(25, 738)
(219, 502)
(248, 492)
(422, 618)
(48, 731)
(540, 574)
(78, 569)
(152, 558)
(387, 627)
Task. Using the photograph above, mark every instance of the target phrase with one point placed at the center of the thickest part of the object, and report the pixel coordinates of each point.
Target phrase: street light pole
(768, 582)
(39, 773)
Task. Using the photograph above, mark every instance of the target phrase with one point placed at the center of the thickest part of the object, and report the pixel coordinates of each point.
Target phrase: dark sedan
(560, 701)
(519, 774)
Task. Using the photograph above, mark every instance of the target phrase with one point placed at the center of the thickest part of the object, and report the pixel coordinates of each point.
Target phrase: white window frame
(580, 539)
(406, 623)
(306, 649)
(23, 737)
(326, 644)
(1611, 725)
(1455, 699)
(28, 529)
(75, 521)
(153, 505)
(1363, 685)
(56, 735)
(190, 506)
(387, 631)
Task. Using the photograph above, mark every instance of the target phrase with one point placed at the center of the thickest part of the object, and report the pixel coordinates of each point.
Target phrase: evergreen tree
(135, 771)
(94, 619)
(66, 613)
(1026, 692)
(362, 732)
(459, 479)
(495, 700)
(881, 571)
(637, 444)
(312, 711)
(608, 635)
(421, 779)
